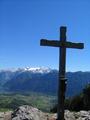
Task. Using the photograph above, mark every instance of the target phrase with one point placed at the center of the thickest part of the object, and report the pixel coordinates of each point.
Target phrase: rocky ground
(5, 115)
(29, 113)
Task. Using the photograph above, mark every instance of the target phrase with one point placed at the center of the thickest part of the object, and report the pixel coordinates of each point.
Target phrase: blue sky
(24, 22)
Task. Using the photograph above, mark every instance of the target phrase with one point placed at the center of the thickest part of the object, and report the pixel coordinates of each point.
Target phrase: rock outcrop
(82, 115)
(26, 112)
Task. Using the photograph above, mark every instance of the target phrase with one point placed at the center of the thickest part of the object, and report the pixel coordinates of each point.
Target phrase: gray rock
(29, 113)
(5, 115)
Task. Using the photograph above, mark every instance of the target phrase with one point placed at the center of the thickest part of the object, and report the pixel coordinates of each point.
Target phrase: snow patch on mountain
(30, 69)
(38, 69)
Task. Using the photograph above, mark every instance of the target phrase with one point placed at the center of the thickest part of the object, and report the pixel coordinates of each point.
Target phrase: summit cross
(62, 44)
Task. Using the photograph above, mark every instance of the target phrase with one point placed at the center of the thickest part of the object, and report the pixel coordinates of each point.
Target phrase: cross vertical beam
(62, 44)
(62, 80)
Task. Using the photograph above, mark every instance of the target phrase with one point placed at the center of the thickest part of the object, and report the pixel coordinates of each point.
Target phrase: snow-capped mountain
(38, 69)
(30, 69)
(40, 79)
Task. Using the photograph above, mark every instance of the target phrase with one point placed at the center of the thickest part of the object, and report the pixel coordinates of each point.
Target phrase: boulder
(28, 113)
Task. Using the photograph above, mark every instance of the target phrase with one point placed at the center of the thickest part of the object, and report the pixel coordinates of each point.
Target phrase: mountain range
(41, 80)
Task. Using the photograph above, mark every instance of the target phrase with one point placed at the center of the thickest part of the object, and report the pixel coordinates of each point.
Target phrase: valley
(11, 101)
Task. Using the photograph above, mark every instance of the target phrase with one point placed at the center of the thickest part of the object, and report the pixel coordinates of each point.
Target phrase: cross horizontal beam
(66, 44)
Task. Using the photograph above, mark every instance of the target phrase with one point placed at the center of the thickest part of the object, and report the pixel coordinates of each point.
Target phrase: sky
(24, 22)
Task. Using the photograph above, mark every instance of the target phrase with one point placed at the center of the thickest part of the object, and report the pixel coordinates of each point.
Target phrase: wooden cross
(62, 44)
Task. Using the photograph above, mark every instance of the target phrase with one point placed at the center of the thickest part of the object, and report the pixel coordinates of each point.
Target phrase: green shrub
(86, 98)
(76, 103)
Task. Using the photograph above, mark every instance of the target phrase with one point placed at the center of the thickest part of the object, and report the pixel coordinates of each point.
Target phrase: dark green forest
(78, 102)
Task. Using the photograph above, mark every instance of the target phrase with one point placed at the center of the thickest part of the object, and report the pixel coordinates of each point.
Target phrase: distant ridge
(41, 80)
